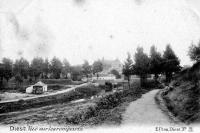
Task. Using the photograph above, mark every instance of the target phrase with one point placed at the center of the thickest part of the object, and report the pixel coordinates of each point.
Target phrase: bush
(89, 90)
(108, 102)
(57, 81)
(108, 86)
(81, 116)
(183, 101)
(55, 86)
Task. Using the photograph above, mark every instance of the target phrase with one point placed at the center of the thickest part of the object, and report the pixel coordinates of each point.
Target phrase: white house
(37, 88)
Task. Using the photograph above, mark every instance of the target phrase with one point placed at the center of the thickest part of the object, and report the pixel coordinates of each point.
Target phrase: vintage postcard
(99, 66)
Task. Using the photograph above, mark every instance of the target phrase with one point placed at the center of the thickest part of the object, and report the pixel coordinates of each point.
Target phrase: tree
(141, 66)
(76, 72)
(19, 79)
(21, 67)
(127, 68)
(171, 63)
(56, 67)
(116, 73)
(46, 67)
(155, 62)
(97, 67)
(66, 68)
(86, 68)
(8, 73)
(37, 65)
(194, 52)
(1, 74)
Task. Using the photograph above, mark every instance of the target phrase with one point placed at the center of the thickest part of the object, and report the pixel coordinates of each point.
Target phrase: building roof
(39, 84)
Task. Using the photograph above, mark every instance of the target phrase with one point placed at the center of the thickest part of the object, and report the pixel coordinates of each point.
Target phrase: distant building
(104, 77)
(109, 65)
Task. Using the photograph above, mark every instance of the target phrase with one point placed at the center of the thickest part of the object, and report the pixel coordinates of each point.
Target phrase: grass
(183, 97)
(182, 100)
(106, 110)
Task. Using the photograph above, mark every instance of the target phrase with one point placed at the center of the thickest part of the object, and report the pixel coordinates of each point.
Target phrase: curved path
(145, 111)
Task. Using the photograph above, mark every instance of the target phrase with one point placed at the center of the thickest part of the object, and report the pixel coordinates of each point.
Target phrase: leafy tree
(1, 74)
(127, 68)
(21, 67)
(171, 63)
(116, 73)
(141, 66)
(66, 68)
(37, 65)
(7, 73)
(56, 67)
(155, 62)
(46, 67)
(76, 72)
(97, 67)
(19, 79)
(86, 68)
(194, 52)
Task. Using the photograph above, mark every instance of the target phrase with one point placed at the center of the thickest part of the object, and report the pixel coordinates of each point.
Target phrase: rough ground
(52, 114)
(145, 111)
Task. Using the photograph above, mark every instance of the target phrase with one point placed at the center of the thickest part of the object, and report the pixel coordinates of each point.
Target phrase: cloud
(139, 2)
(79, 2)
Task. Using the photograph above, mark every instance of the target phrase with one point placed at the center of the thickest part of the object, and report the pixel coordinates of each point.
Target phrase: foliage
(21, 67)
(87, 69)
(194, 52)
(19, 78)
(183, 101)
(171, 63)
(7, 73)
(76, 73)
(155, 62)
(56, 67)
(88, 90)
(46, 66)
(66, 68)
(97, 67)
(141, 65)
(127, 68)
(116, 73)
(37, 67)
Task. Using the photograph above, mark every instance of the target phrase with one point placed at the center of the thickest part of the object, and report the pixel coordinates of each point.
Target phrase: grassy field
(91, 112)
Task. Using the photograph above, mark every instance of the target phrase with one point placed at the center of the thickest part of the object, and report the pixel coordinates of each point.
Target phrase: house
(37, 88)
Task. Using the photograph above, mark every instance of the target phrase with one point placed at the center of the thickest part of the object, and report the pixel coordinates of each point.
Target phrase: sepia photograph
(99, 66)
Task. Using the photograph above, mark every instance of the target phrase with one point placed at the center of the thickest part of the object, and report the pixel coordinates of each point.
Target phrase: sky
(92, 29)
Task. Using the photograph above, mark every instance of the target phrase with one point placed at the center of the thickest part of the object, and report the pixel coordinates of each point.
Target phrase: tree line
(156, 63)
(21, 69)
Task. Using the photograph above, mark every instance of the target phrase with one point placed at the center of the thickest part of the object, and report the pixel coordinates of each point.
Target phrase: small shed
(37, 88)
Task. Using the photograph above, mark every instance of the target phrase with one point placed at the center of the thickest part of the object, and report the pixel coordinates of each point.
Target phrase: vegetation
(141, 65)
(127, 68)
(194, 52)
(21, 70)
(97, 67)
(171, 63)
(116, 73)
(156, 64)
(87, 69)
(182, 95)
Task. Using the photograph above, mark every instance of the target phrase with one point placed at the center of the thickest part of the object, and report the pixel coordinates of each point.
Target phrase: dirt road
(145, 111)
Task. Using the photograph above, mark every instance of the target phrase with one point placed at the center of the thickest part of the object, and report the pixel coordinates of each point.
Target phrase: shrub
(108, 86)
(57, 81)
(89, 90)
